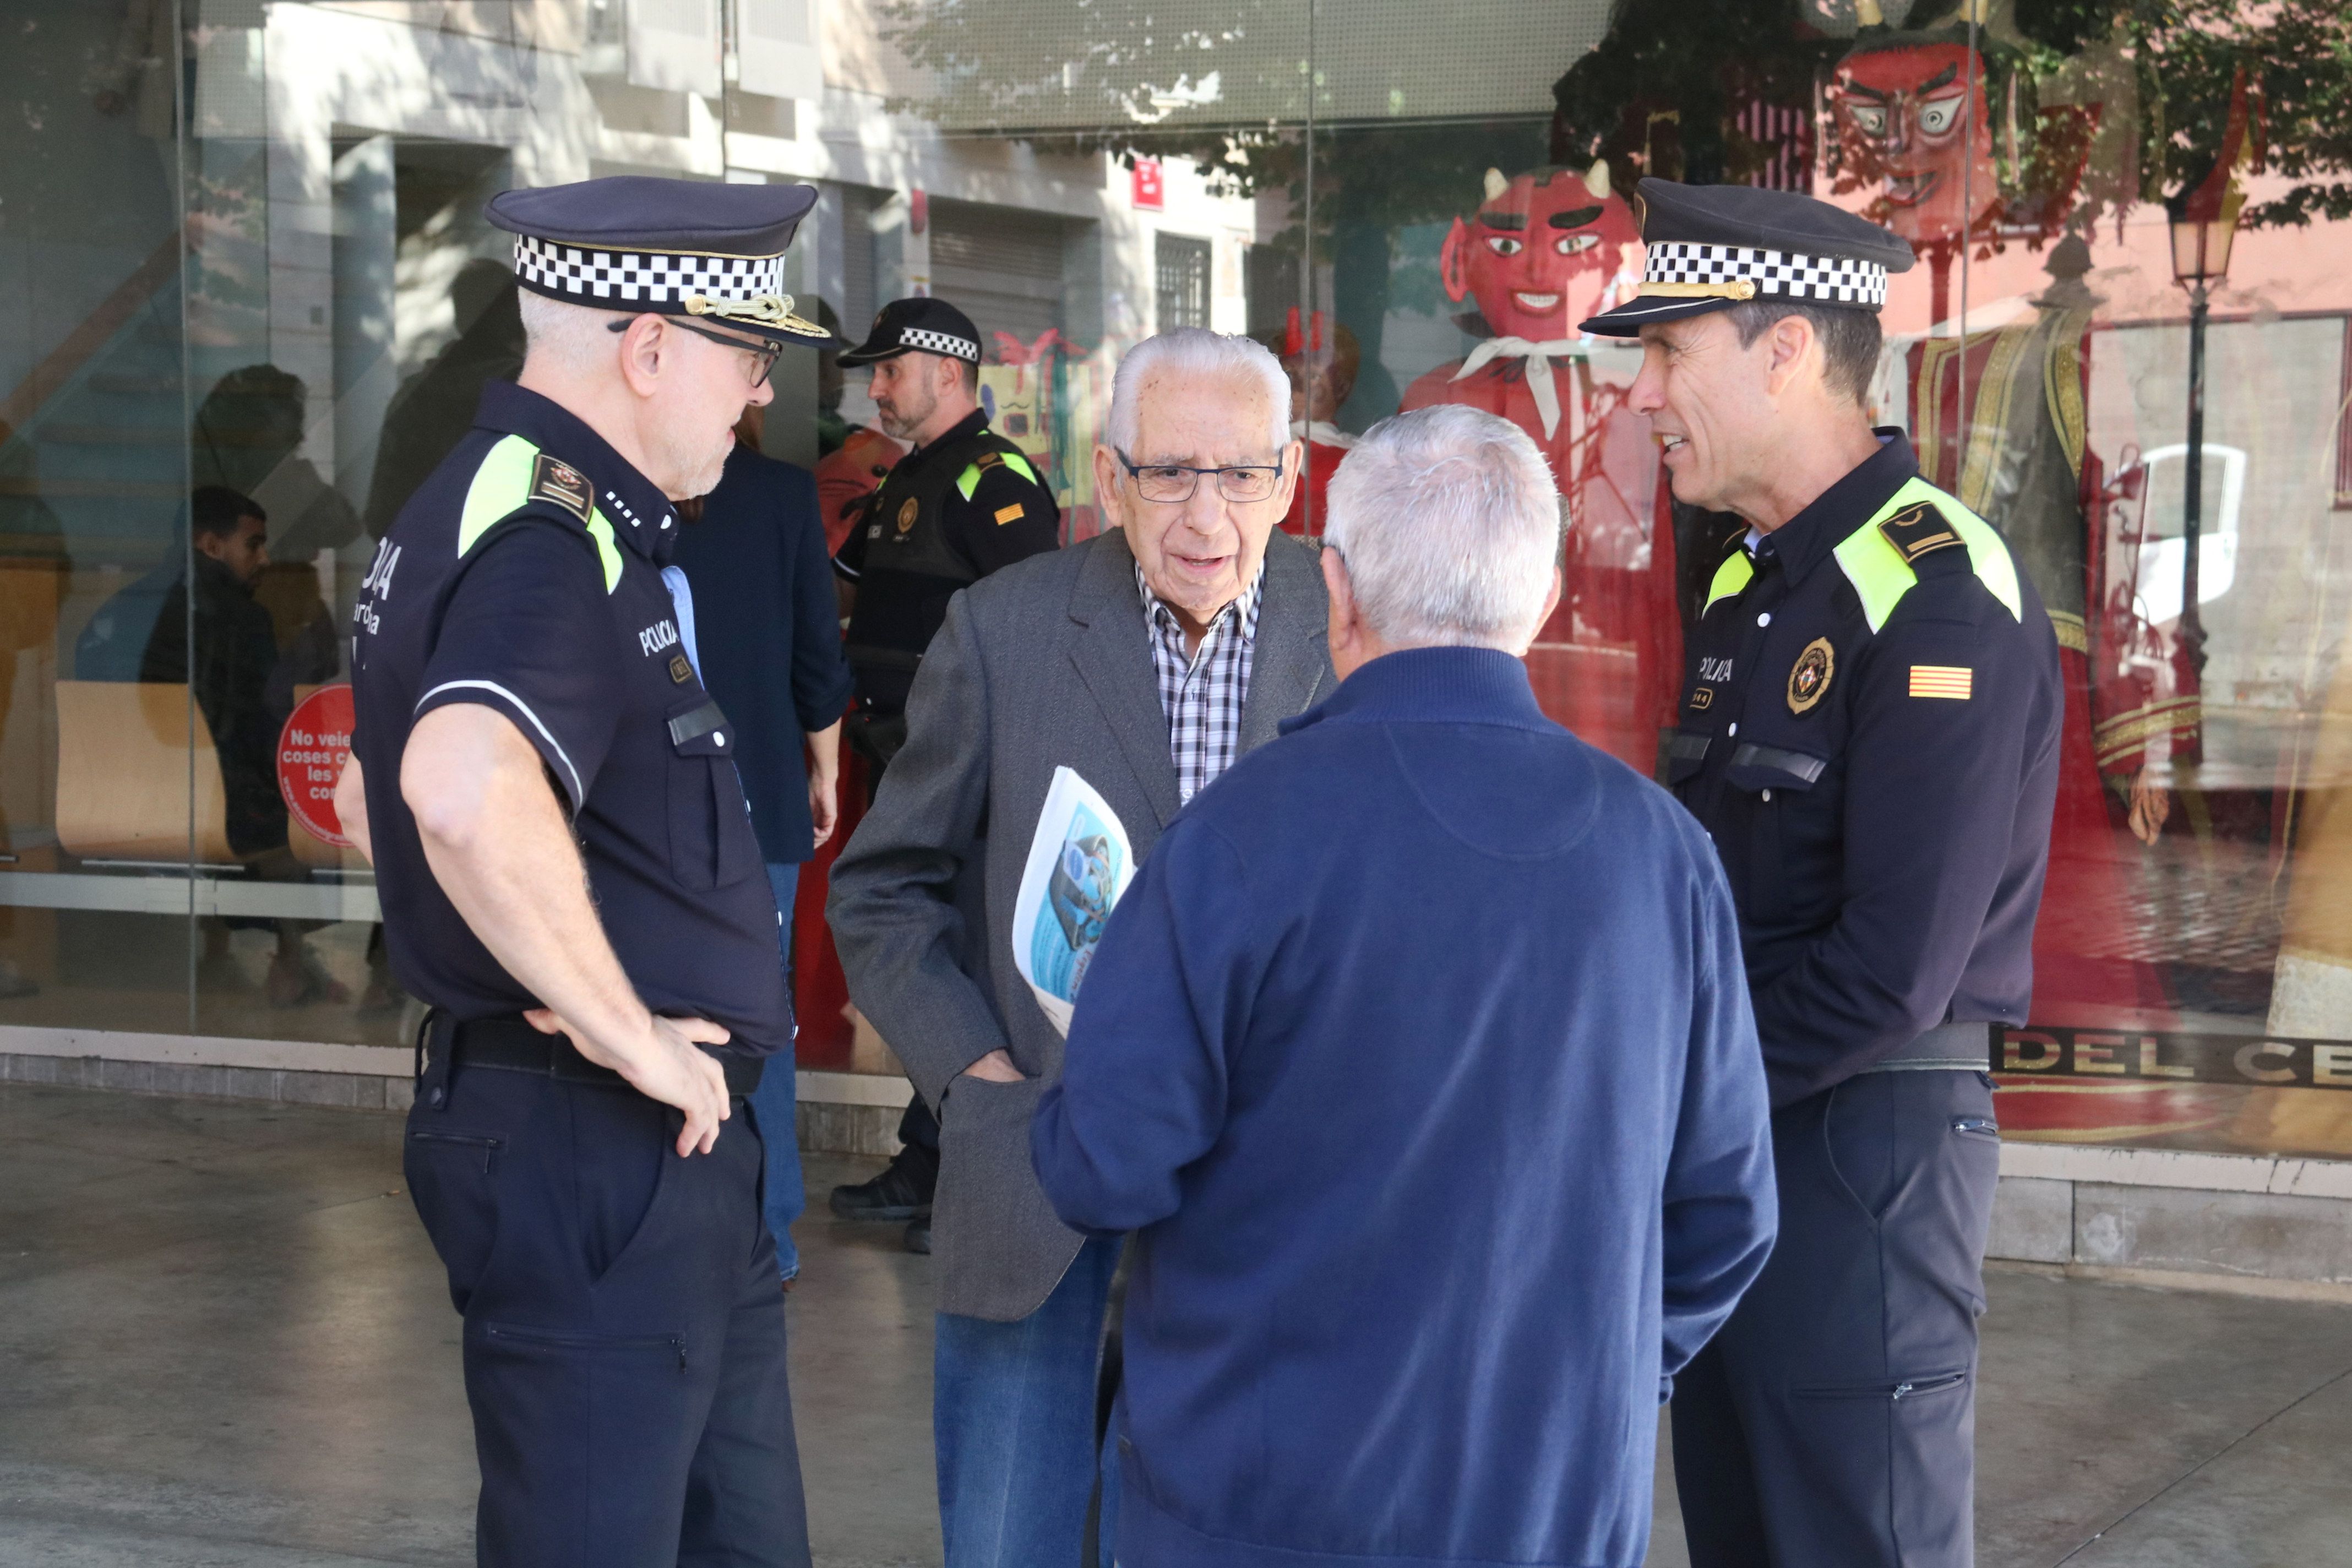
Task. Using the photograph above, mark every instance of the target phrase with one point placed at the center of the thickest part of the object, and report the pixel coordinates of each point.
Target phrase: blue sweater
(1419, 1056)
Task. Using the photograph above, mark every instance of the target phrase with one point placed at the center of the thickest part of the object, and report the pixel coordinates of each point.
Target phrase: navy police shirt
(1870, 733)
(525, 575)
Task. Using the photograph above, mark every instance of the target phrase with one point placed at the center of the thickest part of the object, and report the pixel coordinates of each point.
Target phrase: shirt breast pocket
(1799, 853)
(712, 843)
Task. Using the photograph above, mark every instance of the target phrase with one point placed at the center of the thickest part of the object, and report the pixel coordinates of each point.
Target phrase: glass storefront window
(242, 255)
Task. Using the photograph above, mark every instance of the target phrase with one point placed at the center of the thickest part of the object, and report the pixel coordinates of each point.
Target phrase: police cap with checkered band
(1710, 247)
(641, 244)
(918, 326)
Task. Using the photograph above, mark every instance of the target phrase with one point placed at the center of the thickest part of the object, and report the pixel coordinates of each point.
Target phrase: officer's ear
(647, 350)
(1790, 343)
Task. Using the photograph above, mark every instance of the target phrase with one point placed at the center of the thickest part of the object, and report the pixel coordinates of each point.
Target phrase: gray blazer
(1046, 663)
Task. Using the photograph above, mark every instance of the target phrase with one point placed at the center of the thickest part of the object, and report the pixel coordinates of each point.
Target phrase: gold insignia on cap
(906, 516)
(766, 310)
(1810, 677)
(1735, 288)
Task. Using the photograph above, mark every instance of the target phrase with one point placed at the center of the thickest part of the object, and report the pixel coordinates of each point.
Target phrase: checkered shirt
(1202, 696)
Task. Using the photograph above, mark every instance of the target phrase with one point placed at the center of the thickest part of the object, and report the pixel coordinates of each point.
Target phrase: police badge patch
(555, 479)
(1810, 677)
(906, 516)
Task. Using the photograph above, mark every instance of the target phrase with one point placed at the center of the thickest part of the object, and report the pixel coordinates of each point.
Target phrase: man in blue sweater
(1425, 943)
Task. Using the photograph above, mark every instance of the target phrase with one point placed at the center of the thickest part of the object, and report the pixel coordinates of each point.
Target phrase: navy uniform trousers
(1831, 1423)
(623, 1334)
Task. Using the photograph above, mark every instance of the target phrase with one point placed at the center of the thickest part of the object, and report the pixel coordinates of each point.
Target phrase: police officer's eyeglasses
(763, 353)
(1176, 482)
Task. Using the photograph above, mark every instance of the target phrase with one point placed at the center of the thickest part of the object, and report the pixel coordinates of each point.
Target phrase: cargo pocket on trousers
(1924, 1425)
(711, 841)
(596, 1417)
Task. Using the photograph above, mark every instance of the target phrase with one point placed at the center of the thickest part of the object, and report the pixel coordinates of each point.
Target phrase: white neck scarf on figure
(1322, 432)
(1539, 357)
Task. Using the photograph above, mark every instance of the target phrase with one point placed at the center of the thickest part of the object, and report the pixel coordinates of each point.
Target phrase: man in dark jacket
(762, 633)
(1353, 1336)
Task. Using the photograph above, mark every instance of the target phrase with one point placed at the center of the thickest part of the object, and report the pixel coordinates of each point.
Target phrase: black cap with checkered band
(918, 326)
(1710, 247)
(641, 244)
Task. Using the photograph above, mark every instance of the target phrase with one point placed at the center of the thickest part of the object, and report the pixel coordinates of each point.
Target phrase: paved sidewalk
(225, 1342)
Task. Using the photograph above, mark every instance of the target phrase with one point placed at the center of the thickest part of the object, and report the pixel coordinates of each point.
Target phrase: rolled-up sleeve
(1146, 1074)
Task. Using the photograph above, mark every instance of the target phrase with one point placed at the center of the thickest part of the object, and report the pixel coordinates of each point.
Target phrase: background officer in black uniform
(570, 877)
(961, 503)
(1870, 733)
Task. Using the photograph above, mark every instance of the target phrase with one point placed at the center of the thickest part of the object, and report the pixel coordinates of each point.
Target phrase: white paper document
(1079, 863)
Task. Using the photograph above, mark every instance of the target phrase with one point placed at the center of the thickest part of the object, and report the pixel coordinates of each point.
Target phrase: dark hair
(1850, 339)
(214, 511)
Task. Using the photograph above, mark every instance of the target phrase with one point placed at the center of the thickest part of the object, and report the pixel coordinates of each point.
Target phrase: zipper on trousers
(566, 1339)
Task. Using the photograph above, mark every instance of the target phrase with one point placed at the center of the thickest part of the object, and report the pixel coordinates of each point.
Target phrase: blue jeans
(774, 1103)
(1013, 1411)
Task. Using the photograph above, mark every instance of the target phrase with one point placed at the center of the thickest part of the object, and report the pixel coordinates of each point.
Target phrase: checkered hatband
(1686, 265)
(577, 272)
(933, 342)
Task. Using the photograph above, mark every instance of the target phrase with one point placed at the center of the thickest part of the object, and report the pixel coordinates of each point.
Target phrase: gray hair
(566, 336)
(1197, 352)
(1449, 525)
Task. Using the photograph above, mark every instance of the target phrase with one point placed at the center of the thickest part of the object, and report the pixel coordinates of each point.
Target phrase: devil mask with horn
(1540, 251)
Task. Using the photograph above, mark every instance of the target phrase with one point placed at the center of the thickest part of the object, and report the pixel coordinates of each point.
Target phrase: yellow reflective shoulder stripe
(969, 481)
(1731, 579)
(501, 488)
(501, 485)
(608, 548)
(1881, 576)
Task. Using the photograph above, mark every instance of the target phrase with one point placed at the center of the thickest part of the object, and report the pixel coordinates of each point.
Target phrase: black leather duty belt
(1947, 1047)
(508, 1044)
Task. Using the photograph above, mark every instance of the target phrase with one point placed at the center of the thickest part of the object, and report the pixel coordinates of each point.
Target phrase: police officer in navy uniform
(1870, 733)
(570, 878)
(961, 503)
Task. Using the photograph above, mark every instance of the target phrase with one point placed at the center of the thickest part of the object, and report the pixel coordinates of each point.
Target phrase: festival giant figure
(1999, 418)
(1542, 252)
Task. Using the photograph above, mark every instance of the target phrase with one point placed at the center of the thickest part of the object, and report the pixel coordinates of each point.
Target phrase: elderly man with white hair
(1424, 948)
(1146, 661)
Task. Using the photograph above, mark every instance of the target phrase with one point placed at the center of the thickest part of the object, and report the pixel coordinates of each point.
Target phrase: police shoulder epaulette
(1920, 529)
(969, 481)
(515, 474)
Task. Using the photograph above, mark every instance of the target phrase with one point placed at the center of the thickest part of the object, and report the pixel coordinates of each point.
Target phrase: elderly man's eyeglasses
(1175, 482)
(763, 353)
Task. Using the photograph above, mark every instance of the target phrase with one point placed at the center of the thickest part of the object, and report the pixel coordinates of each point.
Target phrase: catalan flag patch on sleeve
(1013, 513)
(1953, 680)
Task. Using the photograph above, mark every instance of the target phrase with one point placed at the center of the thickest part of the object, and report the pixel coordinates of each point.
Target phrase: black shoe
(902, 1191)
(918, 1236)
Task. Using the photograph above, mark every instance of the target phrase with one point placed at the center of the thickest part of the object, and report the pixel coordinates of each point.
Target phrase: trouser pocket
(1898, 1457)
(450, 1176)
(584, 1440)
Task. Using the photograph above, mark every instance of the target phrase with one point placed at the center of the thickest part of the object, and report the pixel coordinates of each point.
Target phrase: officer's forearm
(496, 842)
(351, 808)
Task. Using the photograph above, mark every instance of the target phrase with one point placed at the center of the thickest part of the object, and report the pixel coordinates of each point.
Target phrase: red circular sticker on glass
(310, 754)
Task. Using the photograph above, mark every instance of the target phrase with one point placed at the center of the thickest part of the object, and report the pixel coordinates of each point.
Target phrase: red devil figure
(1542, 253)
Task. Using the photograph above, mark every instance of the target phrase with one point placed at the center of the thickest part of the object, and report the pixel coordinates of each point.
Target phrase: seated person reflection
(1425, 943)
(235, 652)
